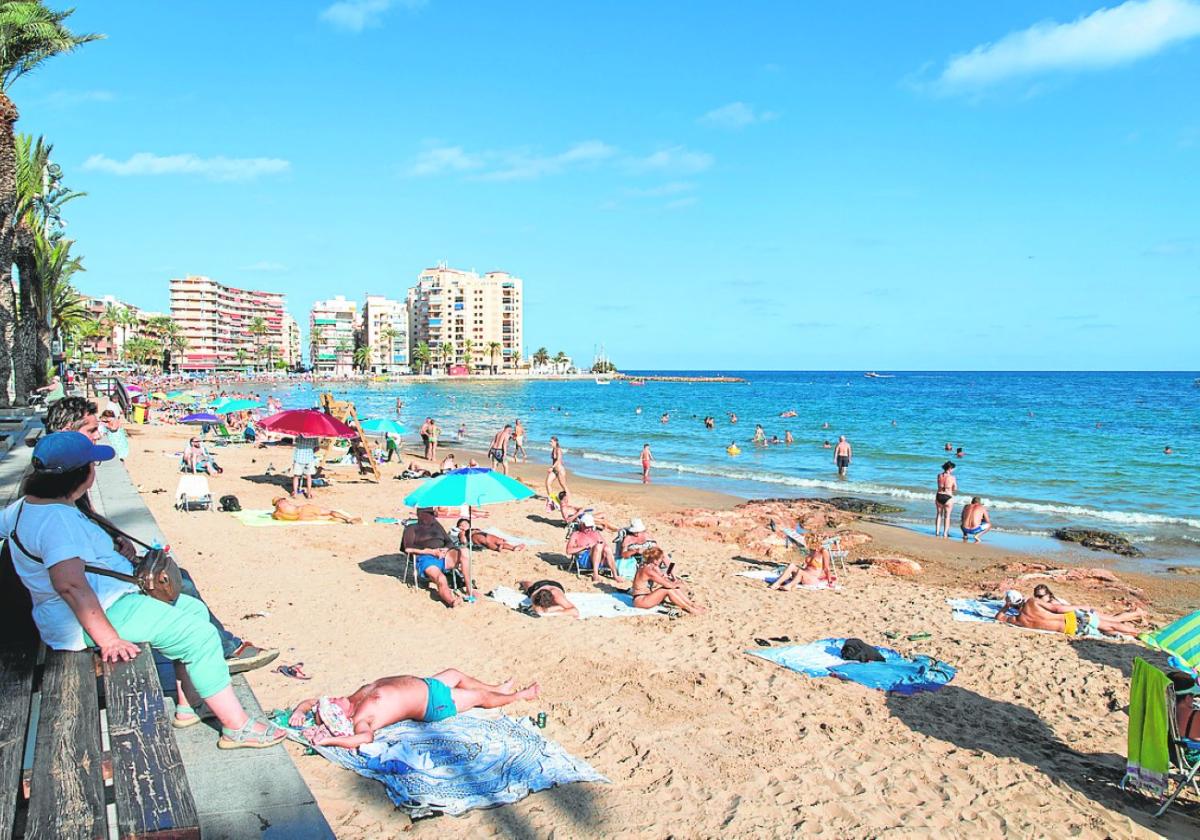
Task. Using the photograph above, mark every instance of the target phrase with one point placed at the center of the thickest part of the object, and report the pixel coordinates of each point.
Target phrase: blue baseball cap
(65, 451)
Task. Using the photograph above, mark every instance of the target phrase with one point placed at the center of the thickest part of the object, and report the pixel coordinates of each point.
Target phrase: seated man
(587, 540)
(288, 509)
(547, 597)
(652, 585)
(352, 721)
(197, 458)
(975, 520)
(466, 535)
(1045, 612)
(436, 555)
(816, 569)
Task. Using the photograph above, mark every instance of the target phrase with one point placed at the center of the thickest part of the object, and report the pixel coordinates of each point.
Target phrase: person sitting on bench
(481, 539)
(288, 509)
(436, 555)
(58, 554)
(352, 721)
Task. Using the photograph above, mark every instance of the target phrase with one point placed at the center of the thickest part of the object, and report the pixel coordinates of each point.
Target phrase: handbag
(155, 573)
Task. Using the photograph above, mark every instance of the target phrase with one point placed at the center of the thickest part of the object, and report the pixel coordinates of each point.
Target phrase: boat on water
(873, 375)
(603, 380)
(637, 382)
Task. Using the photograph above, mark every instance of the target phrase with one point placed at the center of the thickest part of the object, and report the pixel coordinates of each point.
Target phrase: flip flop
(296, 671)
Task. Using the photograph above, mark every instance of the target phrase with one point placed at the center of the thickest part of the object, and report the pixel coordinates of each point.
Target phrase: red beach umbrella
(308, 422)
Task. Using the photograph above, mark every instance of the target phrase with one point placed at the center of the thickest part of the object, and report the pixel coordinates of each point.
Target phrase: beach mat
(589, 604)
(896, 673)
(459, 764)
(985, 609)
(262, 519)
(769, 576)
(509, 538)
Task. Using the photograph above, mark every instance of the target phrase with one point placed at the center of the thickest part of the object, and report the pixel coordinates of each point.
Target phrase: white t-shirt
(58, 532)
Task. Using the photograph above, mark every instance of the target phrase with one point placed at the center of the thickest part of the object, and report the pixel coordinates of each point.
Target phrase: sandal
(250, 737)
(296, 671)
(185, 716)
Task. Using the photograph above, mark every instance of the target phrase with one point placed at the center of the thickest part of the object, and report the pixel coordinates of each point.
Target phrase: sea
(1044, 450)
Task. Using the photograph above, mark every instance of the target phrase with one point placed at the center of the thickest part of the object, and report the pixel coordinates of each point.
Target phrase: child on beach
(351, 721)
(646, 459)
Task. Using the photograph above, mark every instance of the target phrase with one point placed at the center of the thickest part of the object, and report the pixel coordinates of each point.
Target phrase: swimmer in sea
(1168, 450)
(959, 453)
(732, 417)
(666, 417)
(787, 437)
(733, 448)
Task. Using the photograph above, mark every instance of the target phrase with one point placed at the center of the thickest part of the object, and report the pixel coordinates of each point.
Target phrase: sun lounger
(897, 673)
(589, 604)
(192, 493)
(459, 764)
(837, 554)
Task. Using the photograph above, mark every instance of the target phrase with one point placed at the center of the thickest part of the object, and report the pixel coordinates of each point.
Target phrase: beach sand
(698, 739)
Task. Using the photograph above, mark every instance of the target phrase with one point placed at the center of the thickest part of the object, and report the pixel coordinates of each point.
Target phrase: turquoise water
(1043, 449)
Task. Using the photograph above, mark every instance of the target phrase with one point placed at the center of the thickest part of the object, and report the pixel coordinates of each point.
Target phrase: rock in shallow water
(1098, 541)
(853, 505)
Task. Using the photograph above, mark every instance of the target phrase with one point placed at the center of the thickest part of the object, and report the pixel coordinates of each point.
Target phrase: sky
(692, 185)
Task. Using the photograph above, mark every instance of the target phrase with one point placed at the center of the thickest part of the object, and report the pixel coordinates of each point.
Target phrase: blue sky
(695, 185)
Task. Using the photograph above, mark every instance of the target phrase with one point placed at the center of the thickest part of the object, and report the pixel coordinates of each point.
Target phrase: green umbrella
(382, 426)
(233, 406)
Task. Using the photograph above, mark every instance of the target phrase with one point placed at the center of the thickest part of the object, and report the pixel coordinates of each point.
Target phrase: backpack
(230, 504)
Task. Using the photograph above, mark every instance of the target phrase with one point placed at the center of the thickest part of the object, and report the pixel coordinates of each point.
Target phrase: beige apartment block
(385, 334)
(291, 342)
(332, 324)
(478, 316)
(217, 322)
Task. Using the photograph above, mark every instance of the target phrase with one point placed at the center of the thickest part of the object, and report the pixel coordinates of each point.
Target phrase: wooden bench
(102, 749)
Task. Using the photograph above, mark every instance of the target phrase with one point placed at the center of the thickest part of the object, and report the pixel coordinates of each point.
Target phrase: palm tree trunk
(25, 375)
(8, 201)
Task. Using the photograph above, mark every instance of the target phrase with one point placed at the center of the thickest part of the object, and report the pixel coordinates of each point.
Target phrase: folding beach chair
(577, 560)
(1185, 752)
(192, 493)
(837, 554)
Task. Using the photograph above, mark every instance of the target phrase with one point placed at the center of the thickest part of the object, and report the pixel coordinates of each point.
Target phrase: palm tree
(468, 353)
(493, 349)
(560, 361)
(448, 356)
(422, 356)
(541, 357)
(362, 358)
(388, 336)
(315, 336)
(241, 356)
(128, 321)
(85, 333)
(258, 329)
(29, 35)
(344, 348)
(178, 343)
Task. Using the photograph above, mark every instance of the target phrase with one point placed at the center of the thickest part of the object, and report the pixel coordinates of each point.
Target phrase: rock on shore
(748, 525)
(1098, 541)
(853, 505)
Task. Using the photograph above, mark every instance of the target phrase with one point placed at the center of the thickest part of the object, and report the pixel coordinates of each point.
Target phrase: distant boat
(603, 380)
(637, 382)
(873, 375)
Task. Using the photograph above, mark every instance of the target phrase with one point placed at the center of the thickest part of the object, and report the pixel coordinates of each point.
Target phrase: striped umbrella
(1180, 640)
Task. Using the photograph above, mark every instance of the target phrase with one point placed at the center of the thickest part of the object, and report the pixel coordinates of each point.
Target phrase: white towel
(589, 604)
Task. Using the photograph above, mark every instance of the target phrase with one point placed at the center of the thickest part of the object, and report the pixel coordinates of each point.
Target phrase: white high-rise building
(331, 325)
(385, 334)
(471, 323)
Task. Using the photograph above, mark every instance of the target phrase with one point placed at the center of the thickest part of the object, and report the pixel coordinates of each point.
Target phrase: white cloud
(668, 189)
(70, 98)
(214, 168)
(264, 265)
(522, 166)
(736, 115)
(674, 159)
(1110, 36)
(442, 159)
(357, 15)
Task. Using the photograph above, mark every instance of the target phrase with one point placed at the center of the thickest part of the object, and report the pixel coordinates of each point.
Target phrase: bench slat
(67, 788)
(151, 789)
(16, 686)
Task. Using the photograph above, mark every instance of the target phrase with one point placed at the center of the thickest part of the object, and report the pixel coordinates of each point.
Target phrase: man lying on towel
(351, 721)
(287, 509)
(463, 532)
(1046, 612)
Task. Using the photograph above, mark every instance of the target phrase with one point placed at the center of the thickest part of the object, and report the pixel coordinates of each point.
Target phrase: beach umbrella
(158, 395)
(382, 426)
(1180, 640)
(308, 422)
(232, 406)
(202, 418)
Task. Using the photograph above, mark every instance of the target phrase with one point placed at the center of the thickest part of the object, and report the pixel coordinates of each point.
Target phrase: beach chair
(1183, 753)
(192, 493)
(580, 560)
(837, 554)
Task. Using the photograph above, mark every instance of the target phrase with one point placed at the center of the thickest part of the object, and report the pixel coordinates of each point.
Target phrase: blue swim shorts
(425, 561)
(440, 704)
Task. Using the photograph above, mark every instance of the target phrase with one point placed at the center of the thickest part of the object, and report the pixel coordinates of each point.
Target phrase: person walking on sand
(646, 459)
(975, 520)
(943, 498)
(518, 440)
(557, 471)
(434, 433)
(499, 448)
(842, 454)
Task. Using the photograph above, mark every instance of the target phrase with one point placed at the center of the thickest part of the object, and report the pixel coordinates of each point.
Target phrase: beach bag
(230, 504)
(856, 650)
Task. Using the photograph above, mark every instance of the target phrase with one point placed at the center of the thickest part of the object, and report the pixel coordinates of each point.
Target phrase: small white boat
(873, 375)
(603, 380)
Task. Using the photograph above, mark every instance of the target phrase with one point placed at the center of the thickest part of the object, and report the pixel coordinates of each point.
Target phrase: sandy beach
(698, 739)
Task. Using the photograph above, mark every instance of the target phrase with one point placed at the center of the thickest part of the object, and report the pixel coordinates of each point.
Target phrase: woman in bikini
(547, 597)
(816, 570)
(947, 486)
(652, 586)
(557, 471)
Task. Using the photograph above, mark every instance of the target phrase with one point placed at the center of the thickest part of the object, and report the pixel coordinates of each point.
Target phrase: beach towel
(1148, 762)
(461, 763)
(985, 609)
(896, 673)
(589, 604)
(509, 538)
(769, 576)
(262, 519)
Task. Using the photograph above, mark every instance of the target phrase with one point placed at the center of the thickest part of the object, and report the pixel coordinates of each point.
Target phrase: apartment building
(479, 317)
(385, 334)
(332, 325)
(217, 321)
(121, 323)
(291, 342)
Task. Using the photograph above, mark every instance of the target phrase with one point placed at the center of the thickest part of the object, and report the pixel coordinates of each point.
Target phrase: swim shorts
(425, 561)
(440, 704)
(843, 461)
(496, 455)
(299, 468)
(970, 532)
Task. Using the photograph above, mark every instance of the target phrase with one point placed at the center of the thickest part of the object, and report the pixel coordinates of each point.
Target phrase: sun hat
(334, 719)
(588, 520)
(62, 452)
(635, 526)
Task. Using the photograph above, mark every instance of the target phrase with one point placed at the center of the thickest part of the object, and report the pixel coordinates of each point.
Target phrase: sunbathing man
(817, 569)
(481, 539)
(287, 509)
(548, 597)
(587, 537)
(1045, 612)
(653, 586)
(353, 720)
(437, 555)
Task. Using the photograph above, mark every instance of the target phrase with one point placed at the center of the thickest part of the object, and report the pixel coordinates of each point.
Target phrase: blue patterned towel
(465, 762)
(975, 609)
(823, 658)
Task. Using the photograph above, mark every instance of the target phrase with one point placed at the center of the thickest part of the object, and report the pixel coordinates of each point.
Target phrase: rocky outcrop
(1022, 577)
(894, 564)
(1098, 541)
(749, 525)
(853, 505)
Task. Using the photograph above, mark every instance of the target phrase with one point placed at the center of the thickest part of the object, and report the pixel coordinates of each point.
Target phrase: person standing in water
(842, 453)
(947, 486)
(646, 459)
(518, 440)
